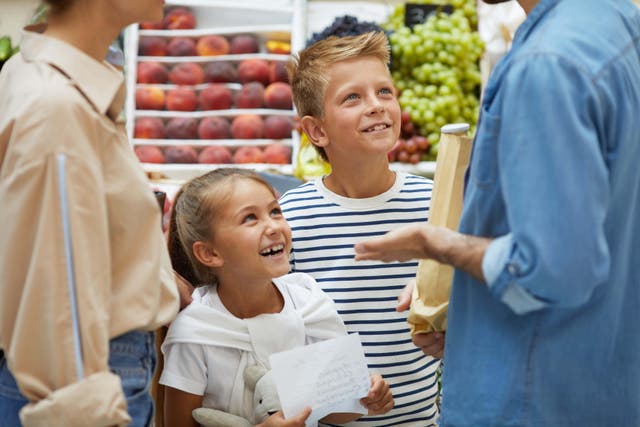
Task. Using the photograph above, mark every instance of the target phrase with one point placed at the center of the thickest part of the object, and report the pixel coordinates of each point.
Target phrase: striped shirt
(325, 226)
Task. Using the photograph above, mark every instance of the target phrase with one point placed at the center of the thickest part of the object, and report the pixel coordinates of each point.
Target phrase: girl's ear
(207, 255)
(312, 126)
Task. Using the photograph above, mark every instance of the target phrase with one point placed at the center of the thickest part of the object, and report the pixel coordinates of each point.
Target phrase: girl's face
(251, 236)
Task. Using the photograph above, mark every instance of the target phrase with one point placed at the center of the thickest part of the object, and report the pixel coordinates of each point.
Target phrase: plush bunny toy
(265, 402)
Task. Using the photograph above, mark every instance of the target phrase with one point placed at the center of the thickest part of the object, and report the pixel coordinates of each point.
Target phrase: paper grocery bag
(430, 300)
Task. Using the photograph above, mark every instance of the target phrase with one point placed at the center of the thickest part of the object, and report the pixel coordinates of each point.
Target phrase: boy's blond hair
(309, 69)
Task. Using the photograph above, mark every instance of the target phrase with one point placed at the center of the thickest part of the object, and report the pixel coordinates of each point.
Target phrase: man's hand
(185, 289)
(379, 400)
(431, 343)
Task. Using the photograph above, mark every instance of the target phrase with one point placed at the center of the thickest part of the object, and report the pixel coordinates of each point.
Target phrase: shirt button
(513, 269)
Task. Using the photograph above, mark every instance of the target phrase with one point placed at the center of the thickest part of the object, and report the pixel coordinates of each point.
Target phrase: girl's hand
(379, 400)
(277, 420)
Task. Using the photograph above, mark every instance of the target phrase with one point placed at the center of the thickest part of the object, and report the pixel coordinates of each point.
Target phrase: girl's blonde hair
(194, 210)
(308, 70)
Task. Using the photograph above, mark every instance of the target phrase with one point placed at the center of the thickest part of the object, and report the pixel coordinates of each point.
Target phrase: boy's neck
(360, 182)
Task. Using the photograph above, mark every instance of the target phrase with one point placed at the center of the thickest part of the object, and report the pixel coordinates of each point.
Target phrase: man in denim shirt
(544, 320)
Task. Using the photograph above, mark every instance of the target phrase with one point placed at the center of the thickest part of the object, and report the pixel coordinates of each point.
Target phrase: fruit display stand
(207, 88)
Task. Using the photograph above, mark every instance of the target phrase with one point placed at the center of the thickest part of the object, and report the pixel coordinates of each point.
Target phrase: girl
(227, 232)
(86, 276)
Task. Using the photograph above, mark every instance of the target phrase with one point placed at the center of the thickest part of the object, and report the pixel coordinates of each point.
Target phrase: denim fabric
(132, 357)
(554, 339)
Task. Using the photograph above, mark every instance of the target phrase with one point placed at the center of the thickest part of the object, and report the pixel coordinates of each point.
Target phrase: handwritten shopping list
(329, 376)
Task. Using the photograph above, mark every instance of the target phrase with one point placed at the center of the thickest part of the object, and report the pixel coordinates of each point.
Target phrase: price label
(418, 13)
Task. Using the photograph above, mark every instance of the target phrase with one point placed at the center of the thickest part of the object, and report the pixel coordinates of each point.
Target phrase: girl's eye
(386, 91)
(276, 212)
(248, 218)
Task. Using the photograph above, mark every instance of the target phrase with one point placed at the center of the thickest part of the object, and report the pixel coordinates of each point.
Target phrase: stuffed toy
(265, 402)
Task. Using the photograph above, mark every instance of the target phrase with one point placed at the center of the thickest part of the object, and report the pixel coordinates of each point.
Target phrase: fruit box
(206, 86)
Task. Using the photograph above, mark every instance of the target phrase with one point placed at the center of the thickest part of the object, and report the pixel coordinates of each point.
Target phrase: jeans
(132, 357)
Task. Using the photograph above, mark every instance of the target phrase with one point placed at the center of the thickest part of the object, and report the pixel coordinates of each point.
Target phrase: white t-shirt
(207, 348)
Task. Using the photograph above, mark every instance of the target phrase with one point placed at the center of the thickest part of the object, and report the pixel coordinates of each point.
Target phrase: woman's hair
(194, 209)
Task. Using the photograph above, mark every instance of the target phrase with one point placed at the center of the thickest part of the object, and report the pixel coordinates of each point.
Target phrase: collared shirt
(554, 339)
(61, 147)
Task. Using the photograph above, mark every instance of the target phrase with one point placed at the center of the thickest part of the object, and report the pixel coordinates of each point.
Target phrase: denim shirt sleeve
(496, 260)
(554, 181)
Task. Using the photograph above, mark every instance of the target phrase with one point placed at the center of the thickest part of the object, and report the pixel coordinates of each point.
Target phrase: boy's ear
(314, 130)
(207, 255)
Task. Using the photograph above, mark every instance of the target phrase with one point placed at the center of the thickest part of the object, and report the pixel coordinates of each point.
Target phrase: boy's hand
(379, 400)
(404, 299)
(278, 420)
(431, 343)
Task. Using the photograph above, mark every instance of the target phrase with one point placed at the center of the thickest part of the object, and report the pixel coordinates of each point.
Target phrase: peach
(186, 73)
(152, 46)
(212, 45)
(277, 154)
(182, 99)
(220, 72)
(182, 128)
(248, 154)
(150, 98)
(243, 43)
(215, 154)
(279, 47)
(180, 154)
(179, 18)
(253, 70)
(278, 72)
(277, 127)
(278, 95)
(149, 128)
(149, 154)
(250, 96)
(247, 126)
(215, 97)
(151, 72)
(214, 128)
(152, 25)
(182, 46)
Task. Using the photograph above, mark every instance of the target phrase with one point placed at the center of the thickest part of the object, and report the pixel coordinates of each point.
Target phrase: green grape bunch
(435, 67)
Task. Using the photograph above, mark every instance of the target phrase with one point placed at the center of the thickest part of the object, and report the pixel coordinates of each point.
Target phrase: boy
(345, 97)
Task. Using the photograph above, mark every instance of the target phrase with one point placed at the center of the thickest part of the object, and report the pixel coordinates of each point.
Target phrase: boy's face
(361, 111)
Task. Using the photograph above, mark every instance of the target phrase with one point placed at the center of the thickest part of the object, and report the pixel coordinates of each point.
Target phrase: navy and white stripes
(325, 227)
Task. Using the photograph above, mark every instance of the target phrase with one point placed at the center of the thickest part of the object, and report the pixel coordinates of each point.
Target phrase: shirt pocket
(484, 160)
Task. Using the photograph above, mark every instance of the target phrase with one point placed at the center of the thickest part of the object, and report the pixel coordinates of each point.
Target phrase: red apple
(212, 45)
(152, 46)
(180, 154)
(243, 43)
(182, 46)
(220, 72)
(182, 128)
(278, 127)
(278, 72)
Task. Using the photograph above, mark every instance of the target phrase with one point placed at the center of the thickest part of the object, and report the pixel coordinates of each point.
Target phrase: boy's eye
(351, 97)
(386, 91)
